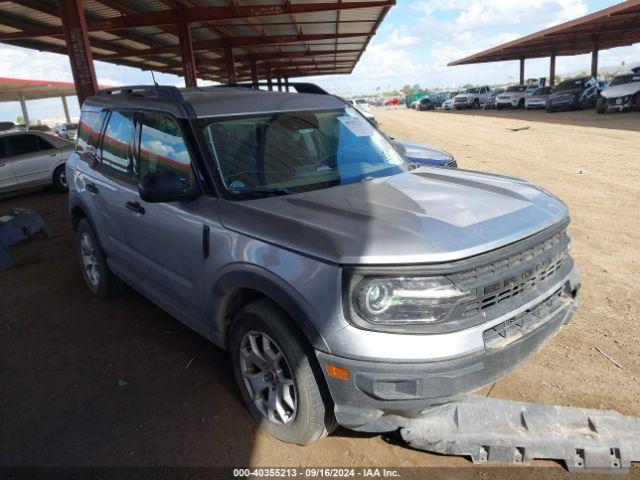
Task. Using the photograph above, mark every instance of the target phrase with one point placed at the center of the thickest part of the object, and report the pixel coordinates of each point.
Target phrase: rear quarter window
(89, 130)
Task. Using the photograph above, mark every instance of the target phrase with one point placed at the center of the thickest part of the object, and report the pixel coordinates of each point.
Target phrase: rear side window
(89, 130)
(115, 143)
(162, 147)
(22, 144)
(44, 144)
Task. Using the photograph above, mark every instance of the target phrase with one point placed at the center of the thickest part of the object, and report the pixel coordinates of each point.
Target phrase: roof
(12, 89)
(203, 102)
(616, 26)
(296, 37)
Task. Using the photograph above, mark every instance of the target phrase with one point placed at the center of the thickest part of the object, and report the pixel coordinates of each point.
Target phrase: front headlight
(404, 300)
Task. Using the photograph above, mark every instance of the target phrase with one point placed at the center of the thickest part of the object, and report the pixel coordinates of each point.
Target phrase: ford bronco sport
(346, 284)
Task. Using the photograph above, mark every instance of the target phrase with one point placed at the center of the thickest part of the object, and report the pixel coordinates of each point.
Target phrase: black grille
(512, 276)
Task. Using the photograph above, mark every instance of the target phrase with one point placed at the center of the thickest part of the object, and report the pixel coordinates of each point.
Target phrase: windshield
(498, 91)
(543, 91)
(622, 79)
(290, 152)
(571, 85)
(517, 88)
(473, 90)
(361, 101)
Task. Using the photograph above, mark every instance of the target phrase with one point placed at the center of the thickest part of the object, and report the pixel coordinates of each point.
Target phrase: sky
(413, 46)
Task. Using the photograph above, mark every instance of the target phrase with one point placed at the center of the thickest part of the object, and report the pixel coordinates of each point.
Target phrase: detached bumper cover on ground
(500, 431)
(16, 226)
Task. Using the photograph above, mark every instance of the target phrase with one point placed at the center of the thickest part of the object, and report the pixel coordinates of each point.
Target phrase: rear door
(165, 240)
(7, 176)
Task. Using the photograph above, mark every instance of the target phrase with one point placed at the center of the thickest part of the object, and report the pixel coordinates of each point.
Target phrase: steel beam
(231, 65)
(188, 15)
(223, 43)
(186, 53)
(522, 71)
(80, 56)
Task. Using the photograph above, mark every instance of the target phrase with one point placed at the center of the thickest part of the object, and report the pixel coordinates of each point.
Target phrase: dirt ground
(85, 382)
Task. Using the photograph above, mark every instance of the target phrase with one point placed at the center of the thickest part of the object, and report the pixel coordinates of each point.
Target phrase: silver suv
(347, 284)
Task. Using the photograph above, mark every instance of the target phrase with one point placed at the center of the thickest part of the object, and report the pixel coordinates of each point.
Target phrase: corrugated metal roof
(309, 26)
(615, 26)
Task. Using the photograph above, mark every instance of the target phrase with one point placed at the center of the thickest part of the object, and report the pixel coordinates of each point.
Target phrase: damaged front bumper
(383, 396)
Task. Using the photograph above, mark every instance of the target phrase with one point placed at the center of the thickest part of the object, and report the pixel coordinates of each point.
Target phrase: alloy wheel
(89, 259)
(268, 377)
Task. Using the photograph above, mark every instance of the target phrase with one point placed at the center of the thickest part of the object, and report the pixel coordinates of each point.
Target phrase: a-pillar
(75, 33)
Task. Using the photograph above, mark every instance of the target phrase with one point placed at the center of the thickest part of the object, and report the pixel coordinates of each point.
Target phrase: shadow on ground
(584, 118)
(85, 385)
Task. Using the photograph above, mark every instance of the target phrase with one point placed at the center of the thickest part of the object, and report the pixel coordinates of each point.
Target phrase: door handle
(135, 207)
(2, 164)
(91, 187)
(53, 154)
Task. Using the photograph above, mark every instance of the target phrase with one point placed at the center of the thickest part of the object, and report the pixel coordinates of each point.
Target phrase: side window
(43, 144)
(22, 144)
(115, 142)
(89, 130)
(2, 148)
(162, 147)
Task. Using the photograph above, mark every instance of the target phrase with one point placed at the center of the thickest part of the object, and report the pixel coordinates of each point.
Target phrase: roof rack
(301, 87)
(161, 92)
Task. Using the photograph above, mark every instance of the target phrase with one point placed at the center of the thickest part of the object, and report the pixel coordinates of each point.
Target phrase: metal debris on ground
(609, 358)
(518, 129)
(491, 430)
(15, 226)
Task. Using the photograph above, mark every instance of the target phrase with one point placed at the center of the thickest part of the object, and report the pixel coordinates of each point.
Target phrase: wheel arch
(246, 283)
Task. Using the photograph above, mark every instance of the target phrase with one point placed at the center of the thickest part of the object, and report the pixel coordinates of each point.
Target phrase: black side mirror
(164, 187)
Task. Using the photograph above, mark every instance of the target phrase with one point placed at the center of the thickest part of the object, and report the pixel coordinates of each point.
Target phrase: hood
(621, 90)
(424, 154)
(573, 91)
(423, 216)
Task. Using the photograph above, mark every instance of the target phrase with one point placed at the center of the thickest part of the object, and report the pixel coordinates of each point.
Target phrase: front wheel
(601, 105)
(277, 376)
(100, 280)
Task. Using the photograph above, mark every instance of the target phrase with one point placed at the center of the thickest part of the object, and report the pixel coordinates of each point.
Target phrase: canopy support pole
(594, 57)
(279, 84)
(552, 69)
(254, 73)
(187, 56)
(66, 109)
(269, 79)
(231, 65)
(286, 84)
(522, 71)
(79, 48)
(25, 112)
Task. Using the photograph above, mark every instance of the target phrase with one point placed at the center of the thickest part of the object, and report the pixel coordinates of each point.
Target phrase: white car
(538, 99)
(472, 98)
(515, 95)
(623, 93)
(32, 159)
(448, 104)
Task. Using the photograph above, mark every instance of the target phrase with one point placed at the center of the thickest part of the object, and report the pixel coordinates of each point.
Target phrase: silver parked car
(539, 97)
(32, 159)
(347, 284)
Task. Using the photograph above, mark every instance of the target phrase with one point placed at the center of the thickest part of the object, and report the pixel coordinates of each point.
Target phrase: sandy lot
(86, 382)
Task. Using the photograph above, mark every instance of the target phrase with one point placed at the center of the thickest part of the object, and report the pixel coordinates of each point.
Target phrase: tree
(19, 120)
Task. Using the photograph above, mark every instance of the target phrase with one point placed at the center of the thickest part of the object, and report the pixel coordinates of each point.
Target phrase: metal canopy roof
(291, 37)
(616, 26)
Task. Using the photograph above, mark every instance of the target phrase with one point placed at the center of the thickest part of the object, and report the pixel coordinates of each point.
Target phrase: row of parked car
(573, 94)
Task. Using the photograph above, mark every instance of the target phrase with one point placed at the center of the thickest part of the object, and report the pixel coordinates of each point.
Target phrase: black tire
(499, 107)
(106, 283)
(521, 103)
(313, 419)
(60, 179)
(601, 105)
(476, 104)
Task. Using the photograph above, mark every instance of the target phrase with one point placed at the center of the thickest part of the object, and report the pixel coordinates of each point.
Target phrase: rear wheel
(277, 377)
(60, 179)
(100, 280)
(521, 103)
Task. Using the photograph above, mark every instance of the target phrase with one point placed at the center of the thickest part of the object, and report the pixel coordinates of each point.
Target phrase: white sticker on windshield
(358, 126)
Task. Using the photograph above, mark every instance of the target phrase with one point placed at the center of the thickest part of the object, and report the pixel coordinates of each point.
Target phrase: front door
(165, 240)
(7, 176)
(32, 158)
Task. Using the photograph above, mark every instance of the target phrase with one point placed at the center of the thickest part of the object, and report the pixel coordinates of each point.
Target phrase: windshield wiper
(264, 190)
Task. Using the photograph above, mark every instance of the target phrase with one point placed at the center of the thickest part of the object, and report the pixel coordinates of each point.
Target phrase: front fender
(247, 276)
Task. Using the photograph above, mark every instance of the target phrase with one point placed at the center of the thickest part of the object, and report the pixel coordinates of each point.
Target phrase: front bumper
(618, 104)
(503, 102)
(382, 396)
(535, 104)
